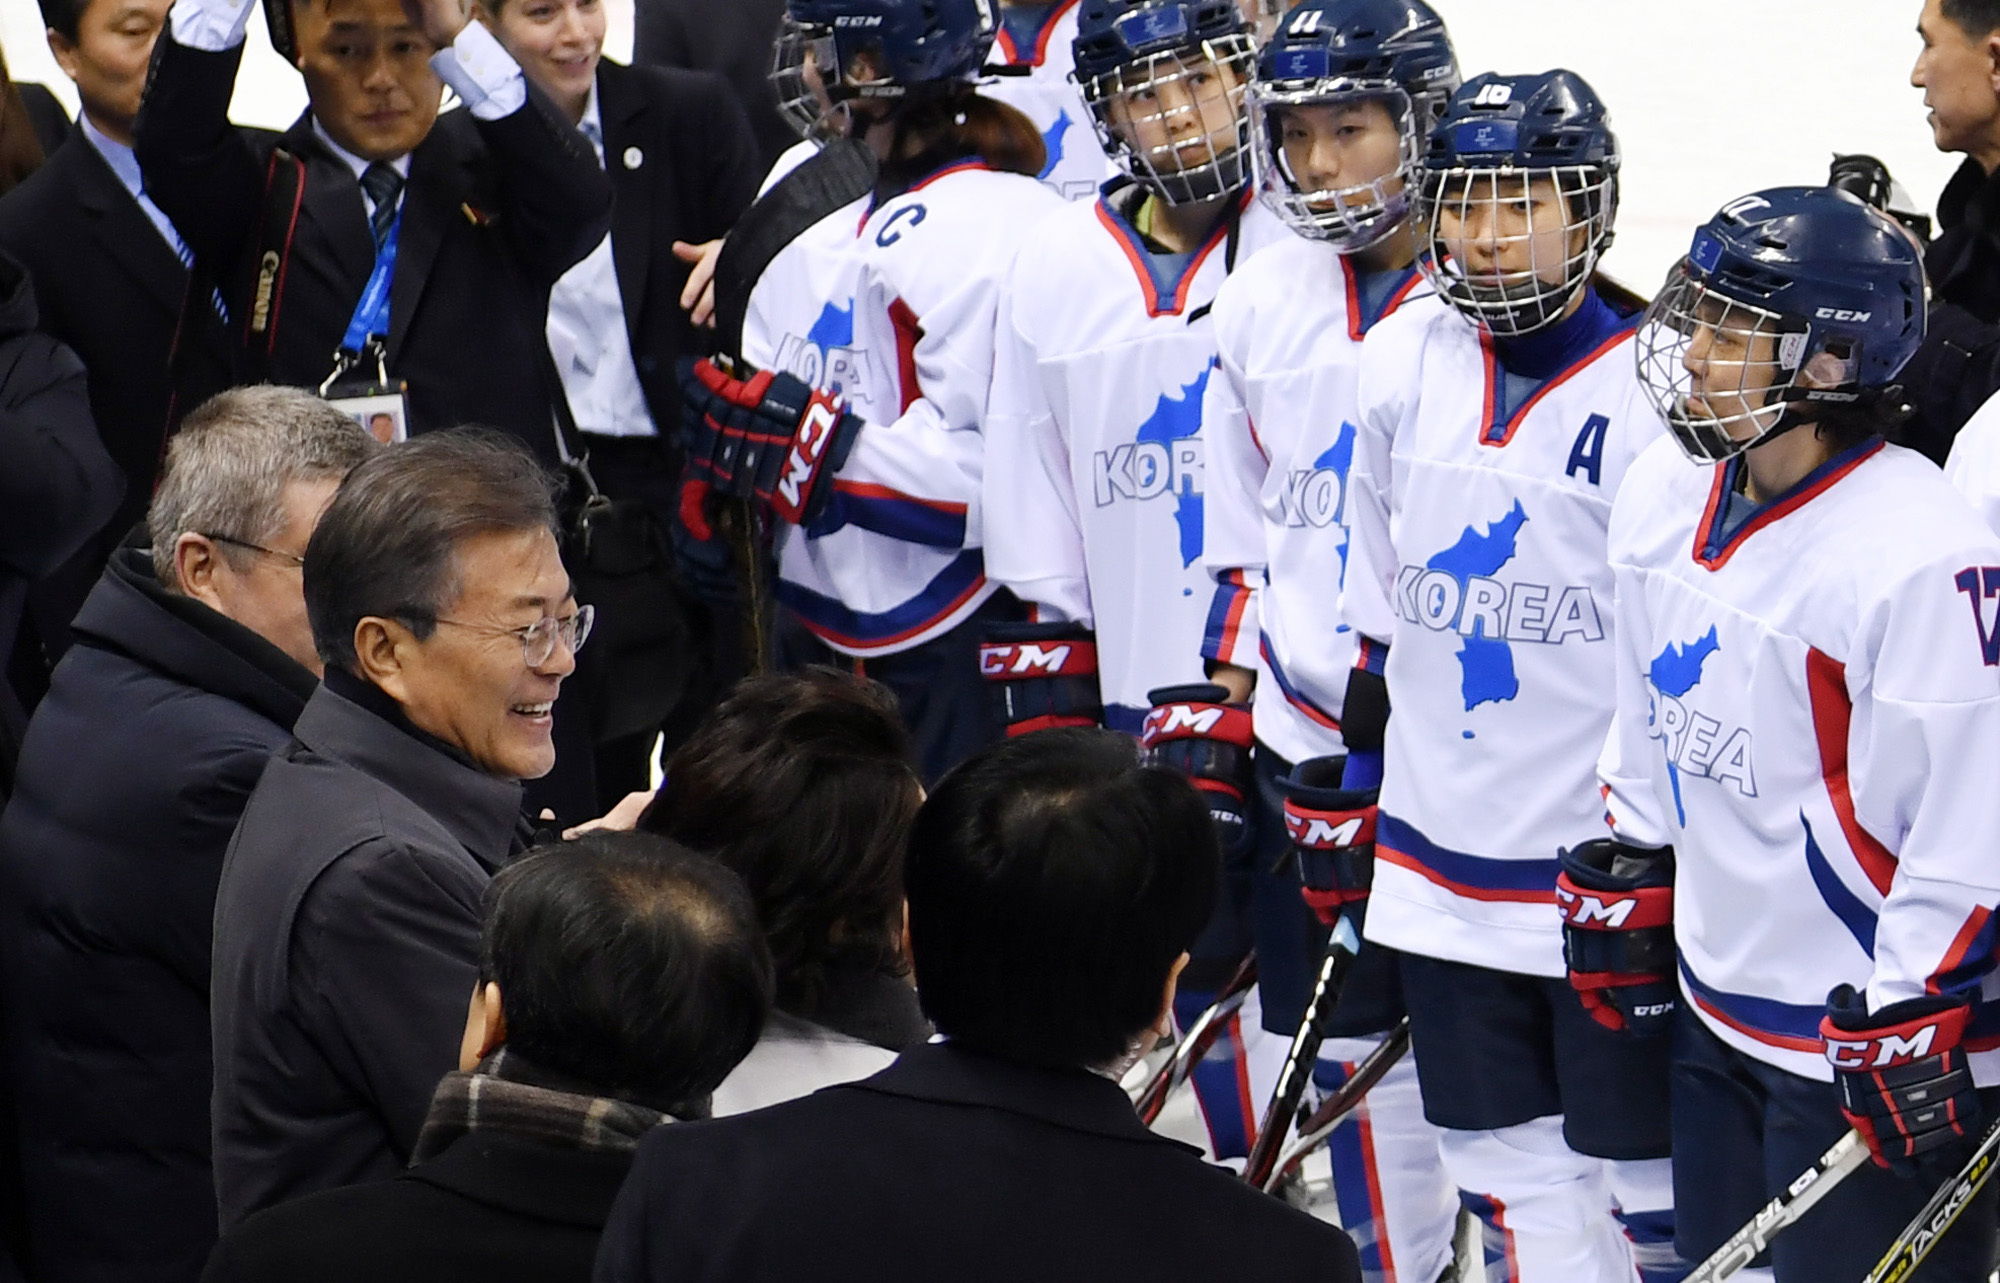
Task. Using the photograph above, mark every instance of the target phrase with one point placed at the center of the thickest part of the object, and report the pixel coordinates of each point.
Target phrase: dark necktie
(383, 185)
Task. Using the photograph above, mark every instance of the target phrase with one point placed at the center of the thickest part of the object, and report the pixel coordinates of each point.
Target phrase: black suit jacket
(733, 37)
(110, 287)
(45, 114)
(492, 1208)
(951, 1165)
(683, 167)
(493, 213)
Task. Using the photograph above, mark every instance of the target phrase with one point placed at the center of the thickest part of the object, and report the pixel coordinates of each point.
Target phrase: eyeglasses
(538, 640)
(292, 557)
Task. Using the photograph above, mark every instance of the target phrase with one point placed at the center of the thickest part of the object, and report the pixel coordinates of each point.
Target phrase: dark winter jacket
(1958, 366)
(136, 768)
(57, 485)
(346, 947)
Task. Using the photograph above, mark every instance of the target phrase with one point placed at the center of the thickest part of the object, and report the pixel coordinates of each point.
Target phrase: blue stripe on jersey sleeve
(1225, 616)
(1857, 917)
(946, 591)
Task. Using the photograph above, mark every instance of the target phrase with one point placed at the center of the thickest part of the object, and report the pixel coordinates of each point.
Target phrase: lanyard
(371, 314)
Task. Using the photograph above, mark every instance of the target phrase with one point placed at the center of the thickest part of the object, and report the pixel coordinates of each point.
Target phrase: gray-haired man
(190, 666)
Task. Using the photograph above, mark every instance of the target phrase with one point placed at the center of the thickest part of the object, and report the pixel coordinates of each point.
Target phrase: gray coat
(346, 947)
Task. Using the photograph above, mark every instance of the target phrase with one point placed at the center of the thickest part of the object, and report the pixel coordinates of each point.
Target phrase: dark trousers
(646, 470)
(1743, 1130)
(1259, 906)
(1497, 1049)
(943, 699)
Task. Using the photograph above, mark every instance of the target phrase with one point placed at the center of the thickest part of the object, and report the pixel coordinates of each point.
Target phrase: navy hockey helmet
(1164, 81)
(1519, 193)
(1789, 300)
(831, 51)
(1332, 53)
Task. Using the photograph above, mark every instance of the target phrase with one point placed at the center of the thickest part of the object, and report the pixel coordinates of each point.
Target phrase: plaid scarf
(493, 1098)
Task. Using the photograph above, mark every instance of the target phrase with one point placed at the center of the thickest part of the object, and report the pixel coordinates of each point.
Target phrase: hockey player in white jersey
(1492, 438)
(1808, 736)
(861, 436)
(1094, 474)
(1030, 65)
(1345, 95)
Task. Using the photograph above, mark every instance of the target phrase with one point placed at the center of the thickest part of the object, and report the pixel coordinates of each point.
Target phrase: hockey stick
(1810, 1186)
(1333, 1111)
(1923, 1233)
(840, 173)
(1284, 1106)
(1201, 1035)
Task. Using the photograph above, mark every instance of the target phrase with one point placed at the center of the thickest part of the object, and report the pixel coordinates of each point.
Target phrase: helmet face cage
(1349, 218)
(1538, 231)
(1750, 364)
(1174, 121)
(798, 66)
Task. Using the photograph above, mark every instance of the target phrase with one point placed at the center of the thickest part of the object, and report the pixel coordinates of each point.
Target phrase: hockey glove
(1617, 906)
(1333, 835)
(1869, 179)
(1042, 676)
(1904, 1083)
(769, 437)
(1192, 730)
(700, 552)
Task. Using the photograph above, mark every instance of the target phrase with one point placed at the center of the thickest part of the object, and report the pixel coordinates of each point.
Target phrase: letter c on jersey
(889, 235)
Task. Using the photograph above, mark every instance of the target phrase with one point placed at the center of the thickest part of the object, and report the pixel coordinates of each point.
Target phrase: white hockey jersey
(1076, 166)
(1476, 553)
(1973, 467)
(893, 308)
(1809, 712)
(1094, 487)
(1280, 424)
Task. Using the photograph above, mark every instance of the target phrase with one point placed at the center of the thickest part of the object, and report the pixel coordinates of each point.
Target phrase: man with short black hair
(463, 220)
(110, 272)
(347, 924)
(621, 976)
(192, 662)
(1054, 887)
(1958, 366)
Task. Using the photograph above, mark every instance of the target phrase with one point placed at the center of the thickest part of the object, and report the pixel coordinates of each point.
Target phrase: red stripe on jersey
(1961, 948)
(1519, 416)
(869, 490)
(1011, 52)
(1789, 504)
(1789, 1042)
(908, 331)
(1826, 687)
(1135, 254)
(1232, 623)
(1403, 860)
(1396, 300)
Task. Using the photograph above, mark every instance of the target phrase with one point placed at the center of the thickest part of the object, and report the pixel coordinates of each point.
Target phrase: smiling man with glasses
(347, 926)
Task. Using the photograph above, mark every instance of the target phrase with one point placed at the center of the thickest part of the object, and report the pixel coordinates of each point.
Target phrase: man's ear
(496, 1022)
(1163, 1024)
(382, 650)
(1993, 59)
(196, 561)
(61, 48)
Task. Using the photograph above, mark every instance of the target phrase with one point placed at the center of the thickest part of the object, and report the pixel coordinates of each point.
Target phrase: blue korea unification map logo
(1674, 672)
(1178, 418)
(1052, 142)
(1486, 663)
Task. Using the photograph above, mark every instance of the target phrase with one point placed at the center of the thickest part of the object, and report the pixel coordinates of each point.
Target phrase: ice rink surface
(1710, 98)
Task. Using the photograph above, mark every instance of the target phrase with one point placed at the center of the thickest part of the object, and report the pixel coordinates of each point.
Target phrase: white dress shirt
(587, 334)
(484, 76)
